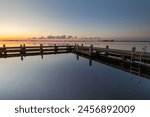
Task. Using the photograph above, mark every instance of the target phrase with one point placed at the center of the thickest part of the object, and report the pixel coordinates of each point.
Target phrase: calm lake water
(62, 76)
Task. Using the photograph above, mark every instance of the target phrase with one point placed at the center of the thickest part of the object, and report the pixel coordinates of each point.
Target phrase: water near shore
(62, 76)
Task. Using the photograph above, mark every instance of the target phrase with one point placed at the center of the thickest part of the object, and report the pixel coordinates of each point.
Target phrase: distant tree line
(56, 37)
(64, 37)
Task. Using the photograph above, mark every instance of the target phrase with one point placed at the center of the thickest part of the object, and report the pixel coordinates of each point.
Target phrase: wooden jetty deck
(131, 60)
(33, 50)
(125, 55)
(91, 51)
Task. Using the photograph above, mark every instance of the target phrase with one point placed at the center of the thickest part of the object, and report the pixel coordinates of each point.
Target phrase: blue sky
(102, 18)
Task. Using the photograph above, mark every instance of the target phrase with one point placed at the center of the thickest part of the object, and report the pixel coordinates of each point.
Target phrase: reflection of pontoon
(137, 68)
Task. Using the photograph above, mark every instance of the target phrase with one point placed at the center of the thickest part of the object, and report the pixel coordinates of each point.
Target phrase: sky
(21, 19)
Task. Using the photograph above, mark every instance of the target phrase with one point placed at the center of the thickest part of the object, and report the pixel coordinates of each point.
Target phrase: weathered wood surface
(121, 54)
(24, 50)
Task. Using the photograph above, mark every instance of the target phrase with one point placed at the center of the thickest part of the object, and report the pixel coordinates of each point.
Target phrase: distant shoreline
(69, 40)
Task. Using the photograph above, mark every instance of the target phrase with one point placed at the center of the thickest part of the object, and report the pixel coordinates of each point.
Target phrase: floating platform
(131, 61)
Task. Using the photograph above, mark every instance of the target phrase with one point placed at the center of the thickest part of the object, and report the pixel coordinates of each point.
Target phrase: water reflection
(134, 68)
(60, 76)
(131, 67)
(22, 56)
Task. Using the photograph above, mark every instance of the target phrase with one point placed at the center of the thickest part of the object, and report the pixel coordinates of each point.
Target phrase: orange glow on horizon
(12, 36)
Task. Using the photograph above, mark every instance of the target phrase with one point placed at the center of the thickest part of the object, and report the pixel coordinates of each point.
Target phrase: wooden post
(123, 58)
(107, 47)
(21, 49)
(132, 54)
(122, 64)
(75, 46)
(1, 51)
(70, 48)
(67, 47)
(82, 48)
(91, 50)
(133, 49)
(41, 48)
(56, 48)
(21, 52)
(77, 49)
(4, 48)
(97, 52)
(24, 49)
